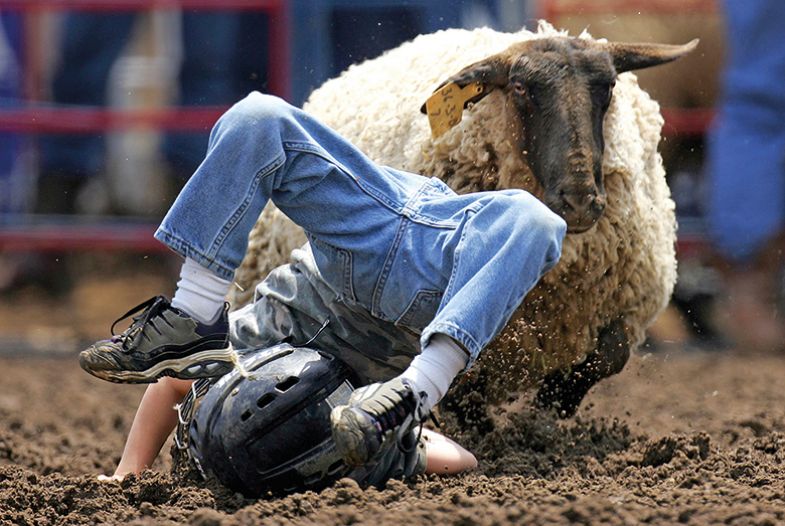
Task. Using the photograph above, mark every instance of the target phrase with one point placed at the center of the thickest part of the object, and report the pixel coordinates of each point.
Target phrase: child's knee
(549, 226)
(530, 218)
(257, 111)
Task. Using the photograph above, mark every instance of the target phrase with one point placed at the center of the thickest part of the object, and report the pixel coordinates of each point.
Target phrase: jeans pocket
(421, 310)
(335, 267)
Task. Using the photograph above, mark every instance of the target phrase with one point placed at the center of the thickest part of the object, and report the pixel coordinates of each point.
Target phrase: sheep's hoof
(561, 394)
(564, 392)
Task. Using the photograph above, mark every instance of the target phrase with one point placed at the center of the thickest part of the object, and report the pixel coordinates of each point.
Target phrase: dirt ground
(677, 437)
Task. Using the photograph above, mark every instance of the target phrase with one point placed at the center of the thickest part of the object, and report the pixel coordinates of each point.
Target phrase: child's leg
(507, 241)
(261, 149)
(499, 255)
(295, 305)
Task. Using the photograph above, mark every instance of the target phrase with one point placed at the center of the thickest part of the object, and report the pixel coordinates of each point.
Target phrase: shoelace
(400, 416)
(146, 307)
(402, 434)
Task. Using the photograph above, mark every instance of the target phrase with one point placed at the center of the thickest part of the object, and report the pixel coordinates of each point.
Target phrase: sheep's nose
(572, 200)
(579, 208)
(598, 204)
(584, 201)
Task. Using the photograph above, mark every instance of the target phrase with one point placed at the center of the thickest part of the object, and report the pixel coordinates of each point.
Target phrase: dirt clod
(688, 439)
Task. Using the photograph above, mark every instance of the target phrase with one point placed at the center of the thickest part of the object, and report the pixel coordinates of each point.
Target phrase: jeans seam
(448, 290)
(309, 148)
(349, 274)
(466, 339)
(412, 210)
(410, 207)
(418, 298)
(241, 209)
(418, 217)
(187, 250)
(347, 261)
(458, 251)
(376, 297)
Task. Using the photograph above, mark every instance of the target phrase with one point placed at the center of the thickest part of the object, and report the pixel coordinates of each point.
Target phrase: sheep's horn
(627, 56)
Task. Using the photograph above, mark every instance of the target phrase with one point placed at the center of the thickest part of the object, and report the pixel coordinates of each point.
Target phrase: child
(395, 261)
(155, 420)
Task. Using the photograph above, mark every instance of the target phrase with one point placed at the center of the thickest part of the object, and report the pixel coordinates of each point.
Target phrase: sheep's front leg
(564, 391)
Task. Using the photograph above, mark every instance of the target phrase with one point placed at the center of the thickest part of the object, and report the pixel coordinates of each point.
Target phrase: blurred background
(105, 107)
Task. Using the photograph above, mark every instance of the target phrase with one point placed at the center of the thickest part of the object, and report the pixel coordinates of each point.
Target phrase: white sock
(200, 293)
(434, 369)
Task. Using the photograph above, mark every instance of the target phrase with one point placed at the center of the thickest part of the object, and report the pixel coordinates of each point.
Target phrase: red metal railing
(91, 120)
(686, 121)
(58, 237)
(42, 118)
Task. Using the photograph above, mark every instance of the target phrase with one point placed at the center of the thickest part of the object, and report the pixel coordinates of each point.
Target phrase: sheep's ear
(491, 72)
(627, 56)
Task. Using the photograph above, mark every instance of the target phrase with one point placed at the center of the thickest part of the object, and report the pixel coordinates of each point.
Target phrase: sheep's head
(561, 88)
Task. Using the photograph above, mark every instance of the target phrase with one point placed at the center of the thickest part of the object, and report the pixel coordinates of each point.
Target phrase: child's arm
(155, 419)
(153, 422)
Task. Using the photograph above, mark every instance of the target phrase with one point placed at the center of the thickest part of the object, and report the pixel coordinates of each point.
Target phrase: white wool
(624, 267)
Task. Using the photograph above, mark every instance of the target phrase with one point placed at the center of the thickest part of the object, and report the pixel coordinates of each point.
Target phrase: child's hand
(113, 478)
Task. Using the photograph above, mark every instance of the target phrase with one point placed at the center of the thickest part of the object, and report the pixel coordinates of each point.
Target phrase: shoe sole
(204, 364)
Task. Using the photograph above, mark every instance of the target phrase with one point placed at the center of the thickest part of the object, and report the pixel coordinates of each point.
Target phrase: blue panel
(327, 35)
(13, 189)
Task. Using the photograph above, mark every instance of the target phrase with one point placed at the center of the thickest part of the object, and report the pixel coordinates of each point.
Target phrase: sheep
(618, 266)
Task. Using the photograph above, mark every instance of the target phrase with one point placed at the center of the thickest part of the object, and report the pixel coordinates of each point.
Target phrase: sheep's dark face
(561, 89)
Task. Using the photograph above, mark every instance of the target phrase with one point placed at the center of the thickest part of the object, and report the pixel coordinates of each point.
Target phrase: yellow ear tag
(445, 106)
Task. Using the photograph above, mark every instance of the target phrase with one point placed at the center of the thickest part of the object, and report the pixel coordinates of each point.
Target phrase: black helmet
(269, 429)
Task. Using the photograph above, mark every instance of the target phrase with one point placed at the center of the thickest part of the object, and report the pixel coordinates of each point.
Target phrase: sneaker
(161, 341)
(380, 415)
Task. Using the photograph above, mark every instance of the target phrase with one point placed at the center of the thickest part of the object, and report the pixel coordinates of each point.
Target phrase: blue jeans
(746, 155)
(402, 247)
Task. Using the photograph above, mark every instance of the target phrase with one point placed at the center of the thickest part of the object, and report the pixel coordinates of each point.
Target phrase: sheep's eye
(603, 93)
(519, 88)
